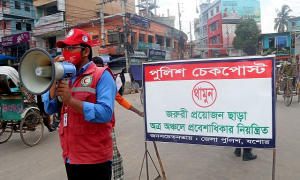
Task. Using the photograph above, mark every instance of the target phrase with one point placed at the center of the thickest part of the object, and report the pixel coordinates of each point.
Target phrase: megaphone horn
(38, 71)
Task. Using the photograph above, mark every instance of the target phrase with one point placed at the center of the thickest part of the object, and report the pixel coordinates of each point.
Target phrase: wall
(296, 27)
(79, 11)
(15, 31)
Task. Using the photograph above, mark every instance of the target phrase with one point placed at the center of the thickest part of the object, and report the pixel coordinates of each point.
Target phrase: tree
(281, 20)
(247, 33)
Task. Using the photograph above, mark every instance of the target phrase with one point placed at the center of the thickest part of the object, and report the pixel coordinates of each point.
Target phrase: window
(28, 27)
(27, 7)
(150, 39)
(17, 5)
(217, 9)
(213, 40)
(271, 42)
(211, 13)
(4, 3)
(142, 37)
(213, 27)
(281, 41)
(293, 23)
(95, 36)
(18, 26)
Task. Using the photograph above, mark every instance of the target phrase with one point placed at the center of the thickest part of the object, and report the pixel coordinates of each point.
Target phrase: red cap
(75, 36)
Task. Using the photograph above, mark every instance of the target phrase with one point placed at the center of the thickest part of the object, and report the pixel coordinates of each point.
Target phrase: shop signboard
(16, 39)
(145, 46)
(139, 20)
(156, 54)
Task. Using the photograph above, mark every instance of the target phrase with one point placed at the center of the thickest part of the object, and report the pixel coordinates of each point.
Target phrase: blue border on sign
(215, 140)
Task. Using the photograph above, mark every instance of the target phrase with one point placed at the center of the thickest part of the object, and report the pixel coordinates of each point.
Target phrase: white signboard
(224, 102)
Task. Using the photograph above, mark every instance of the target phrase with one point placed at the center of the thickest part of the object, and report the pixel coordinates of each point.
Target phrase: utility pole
(191, 39)
(147, 9)
(125, 34)
(179, 48)
(102, 23)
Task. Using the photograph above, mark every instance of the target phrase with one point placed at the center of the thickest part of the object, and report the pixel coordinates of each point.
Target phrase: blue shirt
(102, 111)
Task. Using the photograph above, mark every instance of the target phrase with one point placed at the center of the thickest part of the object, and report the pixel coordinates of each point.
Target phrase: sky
(188, 12)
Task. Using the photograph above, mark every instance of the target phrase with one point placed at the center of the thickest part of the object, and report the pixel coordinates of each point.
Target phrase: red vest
(84, 142)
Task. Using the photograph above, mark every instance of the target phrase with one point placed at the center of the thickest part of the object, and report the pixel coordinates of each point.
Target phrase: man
(247, 155)
(288, 71)
(87, 112)
(234, 12)
(117, 164)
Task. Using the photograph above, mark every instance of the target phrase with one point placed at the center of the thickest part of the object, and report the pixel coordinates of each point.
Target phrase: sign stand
(147, 166)
(274, 162)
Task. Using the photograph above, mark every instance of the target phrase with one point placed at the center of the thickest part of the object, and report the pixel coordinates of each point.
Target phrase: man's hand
(141, 114)
(63, 91)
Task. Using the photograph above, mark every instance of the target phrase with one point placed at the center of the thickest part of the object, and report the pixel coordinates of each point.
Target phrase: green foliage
(281, 20)
(247, 33)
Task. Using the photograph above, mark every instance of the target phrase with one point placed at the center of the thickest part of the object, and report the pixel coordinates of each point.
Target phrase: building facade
(17, 18)
(219, 19)
(53, 16)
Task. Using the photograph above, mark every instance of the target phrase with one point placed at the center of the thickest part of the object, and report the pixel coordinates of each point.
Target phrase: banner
(277, 51)
(223, 102)
(156, 54)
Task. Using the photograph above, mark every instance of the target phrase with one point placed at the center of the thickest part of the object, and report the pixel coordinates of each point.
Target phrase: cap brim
(62, 43)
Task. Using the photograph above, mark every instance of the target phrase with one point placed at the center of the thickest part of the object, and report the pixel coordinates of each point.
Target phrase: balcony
(51, 19)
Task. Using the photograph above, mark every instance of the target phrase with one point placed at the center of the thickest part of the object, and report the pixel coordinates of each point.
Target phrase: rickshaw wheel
(32, 129)
(5, 132)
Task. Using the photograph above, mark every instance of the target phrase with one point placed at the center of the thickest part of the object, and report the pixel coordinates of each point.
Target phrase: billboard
(220, 101)
(234, 11)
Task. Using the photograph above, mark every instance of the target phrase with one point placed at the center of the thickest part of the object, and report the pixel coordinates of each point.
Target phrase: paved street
(181, 161)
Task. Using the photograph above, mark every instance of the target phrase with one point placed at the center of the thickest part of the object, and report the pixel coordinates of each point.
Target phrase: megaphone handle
(58, 119)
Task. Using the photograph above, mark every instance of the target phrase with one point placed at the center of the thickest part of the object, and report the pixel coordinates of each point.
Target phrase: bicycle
(288, 94)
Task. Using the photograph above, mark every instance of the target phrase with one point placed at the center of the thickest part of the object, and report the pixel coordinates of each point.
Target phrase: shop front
(16, 45)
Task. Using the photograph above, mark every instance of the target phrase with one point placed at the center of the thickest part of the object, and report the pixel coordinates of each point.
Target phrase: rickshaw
(19, 112)
(291, 90)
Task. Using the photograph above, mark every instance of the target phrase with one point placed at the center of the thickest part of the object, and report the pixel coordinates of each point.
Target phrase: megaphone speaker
(38, 71)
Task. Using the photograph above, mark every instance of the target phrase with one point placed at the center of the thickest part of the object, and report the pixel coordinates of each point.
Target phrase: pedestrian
(247, 155)
(117, 165)
(87, 112)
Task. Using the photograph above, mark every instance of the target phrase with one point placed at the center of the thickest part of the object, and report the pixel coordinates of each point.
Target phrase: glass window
(142, 37)
(217, 9)
(27, 7)
(293, 23)
(211, 12)
(28, 27)
(18, 26)
(4, 3)
(281, 41)
(271, 42)
(17, 5)
(95, 36)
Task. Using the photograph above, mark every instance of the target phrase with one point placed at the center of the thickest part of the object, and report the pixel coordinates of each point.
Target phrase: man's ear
(86, 52)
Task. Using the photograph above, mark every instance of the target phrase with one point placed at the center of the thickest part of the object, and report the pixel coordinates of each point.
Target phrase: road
(181, 161)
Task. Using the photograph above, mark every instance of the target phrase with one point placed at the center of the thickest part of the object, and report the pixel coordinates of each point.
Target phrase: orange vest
(84, 142)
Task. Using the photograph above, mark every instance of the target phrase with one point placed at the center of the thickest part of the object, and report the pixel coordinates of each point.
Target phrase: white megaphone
(38, 71)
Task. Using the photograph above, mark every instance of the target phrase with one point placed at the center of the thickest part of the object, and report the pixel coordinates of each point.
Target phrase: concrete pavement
(181, 161)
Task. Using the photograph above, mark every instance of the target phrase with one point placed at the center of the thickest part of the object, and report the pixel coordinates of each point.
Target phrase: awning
(136, 72)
